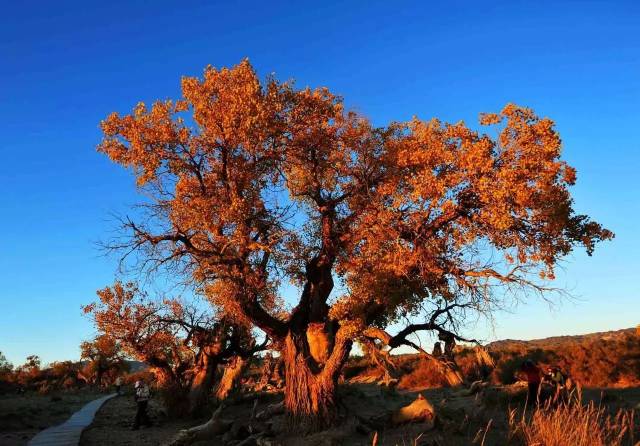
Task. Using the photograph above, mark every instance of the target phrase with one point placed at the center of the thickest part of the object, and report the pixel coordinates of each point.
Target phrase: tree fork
(311, 399)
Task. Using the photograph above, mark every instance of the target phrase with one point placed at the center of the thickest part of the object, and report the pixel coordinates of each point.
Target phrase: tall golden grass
(573, 424)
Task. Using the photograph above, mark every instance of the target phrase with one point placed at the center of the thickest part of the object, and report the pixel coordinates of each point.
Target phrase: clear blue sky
(65, 65)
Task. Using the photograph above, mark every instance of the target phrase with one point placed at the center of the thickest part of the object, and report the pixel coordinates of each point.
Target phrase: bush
(422, 373)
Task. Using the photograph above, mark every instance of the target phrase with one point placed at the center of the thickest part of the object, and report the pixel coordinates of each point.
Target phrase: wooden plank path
(69, 432)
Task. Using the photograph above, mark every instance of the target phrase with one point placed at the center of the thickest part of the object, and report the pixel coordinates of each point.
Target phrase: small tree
(182, 344)
(29, 372)
(104, 354)
(32, 364)
(6, 368)
(65, 374)
(253, 183)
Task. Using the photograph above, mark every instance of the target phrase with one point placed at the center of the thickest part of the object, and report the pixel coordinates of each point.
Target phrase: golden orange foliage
(254, 182)
(125, 315)
(183, 345)
(105, 355)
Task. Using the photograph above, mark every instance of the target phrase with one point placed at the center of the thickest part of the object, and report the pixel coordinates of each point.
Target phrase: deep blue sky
(65, 65)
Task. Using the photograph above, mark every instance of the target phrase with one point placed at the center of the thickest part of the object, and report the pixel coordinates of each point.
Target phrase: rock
(420, 410)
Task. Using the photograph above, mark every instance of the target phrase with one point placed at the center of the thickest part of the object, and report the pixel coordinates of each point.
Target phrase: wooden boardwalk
(68, 433)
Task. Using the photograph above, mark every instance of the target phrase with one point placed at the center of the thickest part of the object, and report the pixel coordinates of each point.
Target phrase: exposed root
(270, 411)
(215, 426)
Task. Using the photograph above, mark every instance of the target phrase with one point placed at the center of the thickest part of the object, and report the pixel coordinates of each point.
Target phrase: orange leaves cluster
(127, 318)
(101, 347)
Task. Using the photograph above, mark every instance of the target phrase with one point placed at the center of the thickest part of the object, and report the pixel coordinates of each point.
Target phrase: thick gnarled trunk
(310, 396)
(202, 381)
(99, 374)
(312, 363)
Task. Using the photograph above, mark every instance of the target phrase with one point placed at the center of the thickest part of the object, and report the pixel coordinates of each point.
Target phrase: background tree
(29, 372)
(104, 354)
(251, 184)
(183, 345)
(32, 364)
(5, 365)
(65, 374)
(6, 369)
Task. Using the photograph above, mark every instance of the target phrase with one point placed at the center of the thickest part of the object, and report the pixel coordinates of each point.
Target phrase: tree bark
(310, 397)
(232, 373)
(201, 385)
(99, 373)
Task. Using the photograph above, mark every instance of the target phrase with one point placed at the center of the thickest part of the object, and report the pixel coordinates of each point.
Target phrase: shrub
(423, 373)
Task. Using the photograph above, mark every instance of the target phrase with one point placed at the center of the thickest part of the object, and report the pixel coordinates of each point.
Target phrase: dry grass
(573, 424)
(23, 416)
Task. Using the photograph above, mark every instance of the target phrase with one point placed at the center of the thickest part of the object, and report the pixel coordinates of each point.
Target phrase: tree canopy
(252, 184)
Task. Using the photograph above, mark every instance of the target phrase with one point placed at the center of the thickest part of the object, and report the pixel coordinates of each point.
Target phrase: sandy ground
(112, 425)
(113, 422)
(23, 416)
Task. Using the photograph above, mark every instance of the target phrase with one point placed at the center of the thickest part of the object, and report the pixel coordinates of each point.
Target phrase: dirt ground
(113, 422)
(462, 418)
(112, 425)
(23, 416)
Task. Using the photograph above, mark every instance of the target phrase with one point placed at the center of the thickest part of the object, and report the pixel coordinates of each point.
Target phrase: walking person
(533, 376)
(558, 381)
(118, 384)
(142, 395)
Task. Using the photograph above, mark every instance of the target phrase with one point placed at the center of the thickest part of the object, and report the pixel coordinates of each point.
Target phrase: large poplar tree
(253, 184)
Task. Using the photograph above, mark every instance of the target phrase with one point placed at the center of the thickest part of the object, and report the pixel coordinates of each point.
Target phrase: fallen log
(215, 426)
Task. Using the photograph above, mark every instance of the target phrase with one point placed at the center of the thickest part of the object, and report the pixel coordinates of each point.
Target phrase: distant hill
(564, 340)
(597, 359)
(136, 366)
